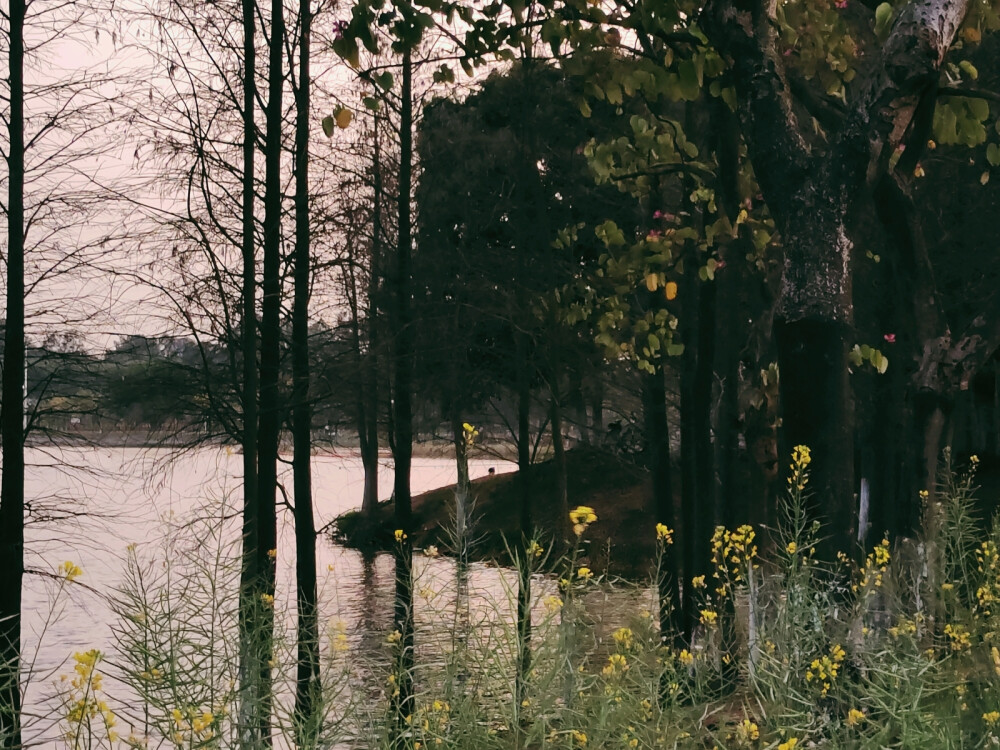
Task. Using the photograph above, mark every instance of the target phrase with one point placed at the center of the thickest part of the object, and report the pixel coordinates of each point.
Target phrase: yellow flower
(791, 548)
(579, 738)
(553, 603)
(789, 744)
(267, 599)
(747, 732)
(855, 717)
(623, 637)
(400, 535)
(686, 658)
(800, 456)
(582, 516)
(272, 553)
(584, 573)
(708, 616)
(534, 549)
(664, 534)
(992, 717)
(431, 551)
(70, 571)
(947, 586)
(698, 582)
(394, 637)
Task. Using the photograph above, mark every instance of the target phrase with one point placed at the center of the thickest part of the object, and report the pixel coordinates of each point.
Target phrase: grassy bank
(617, 490)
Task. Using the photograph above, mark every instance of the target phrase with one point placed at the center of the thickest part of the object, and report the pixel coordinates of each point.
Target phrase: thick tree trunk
(816, 412)
(249, 572)
(811, 195)
(12, 409)
(308, 690)
(403, 412)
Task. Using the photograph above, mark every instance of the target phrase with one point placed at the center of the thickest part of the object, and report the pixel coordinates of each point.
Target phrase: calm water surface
(94, 503)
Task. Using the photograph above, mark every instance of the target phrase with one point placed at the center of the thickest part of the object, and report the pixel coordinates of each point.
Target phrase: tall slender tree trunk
(12, 410)
(308, 695)
(657, 437)
(368, 391)
(270, 360)
(402, 326)
(561, 528)
(523, 665)
(463, 486)
(249, 573)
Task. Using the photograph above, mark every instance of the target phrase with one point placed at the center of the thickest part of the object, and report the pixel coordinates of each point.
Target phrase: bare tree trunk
(463, 487)
(561, 528)
(249, 572)
(368, 391)
(657, 438)
(308, 690)
(523, 665)
(402, 325)
(12, 409)
(270, 361)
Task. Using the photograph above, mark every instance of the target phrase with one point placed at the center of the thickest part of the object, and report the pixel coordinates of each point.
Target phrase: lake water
(97, 502)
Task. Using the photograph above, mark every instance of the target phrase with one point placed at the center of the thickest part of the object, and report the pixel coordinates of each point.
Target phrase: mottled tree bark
(814, 197)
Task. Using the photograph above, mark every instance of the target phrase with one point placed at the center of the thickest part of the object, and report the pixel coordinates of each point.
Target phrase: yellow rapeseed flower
(855, 717)
(70, 571)
(400, 535)
(582, 516)
(664, 534)
(789, 744)
(584, 573)
(992, 717)
(708, 616)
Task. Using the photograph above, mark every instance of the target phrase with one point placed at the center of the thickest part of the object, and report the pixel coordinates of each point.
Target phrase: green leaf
(969, 69)
(855, 356)
(883, 18)
(993, 154)
(328, 126)
(675, 350)
(384, 80)
(371, 103)
(980, 108)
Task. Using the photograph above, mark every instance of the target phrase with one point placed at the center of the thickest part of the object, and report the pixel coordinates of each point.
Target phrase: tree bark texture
(814, 198)
(12, 410)
(402, 326)
(308, 690)
(269, 433)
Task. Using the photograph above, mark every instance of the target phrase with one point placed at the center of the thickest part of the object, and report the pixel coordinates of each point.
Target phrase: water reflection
(464, 613)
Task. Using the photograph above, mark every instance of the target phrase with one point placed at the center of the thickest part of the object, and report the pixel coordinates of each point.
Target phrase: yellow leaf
(343, 118)
(651, 282)
(671, 290)
(972, 34)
